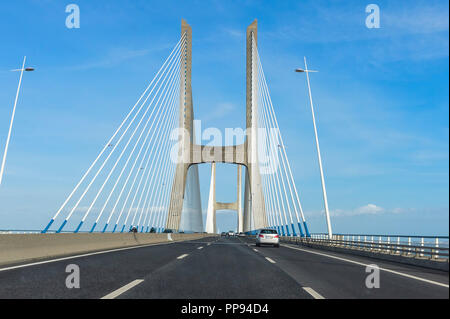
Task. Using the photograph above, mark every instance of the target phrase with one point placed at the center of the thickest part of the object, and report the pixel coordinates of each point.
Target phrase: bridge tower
(191, 154)
(184, 174)
(254, 205)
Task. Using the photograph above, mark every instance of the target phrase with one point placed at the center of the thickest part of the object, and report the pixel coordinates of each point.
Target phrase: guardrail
(34, 231)
(18, 231)
(423, 247)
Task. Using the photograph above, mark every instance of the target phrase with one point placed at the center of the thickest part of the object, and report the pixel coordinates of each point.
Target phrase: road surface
(220, 267)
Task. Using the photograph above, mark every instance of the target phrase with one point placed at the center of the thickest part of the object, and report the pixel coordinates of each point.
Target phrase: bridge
(146, 175)
(133, 224)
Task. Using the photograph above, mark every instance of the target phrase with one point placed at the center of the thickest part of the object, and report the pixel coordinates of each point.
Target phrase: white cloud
(369, 209)
(408, 32)
(419, 19)
(116, 56)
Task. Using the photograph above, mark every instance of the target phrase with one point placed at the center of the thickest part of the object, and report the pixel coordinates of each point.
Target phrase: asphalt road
(222, 268)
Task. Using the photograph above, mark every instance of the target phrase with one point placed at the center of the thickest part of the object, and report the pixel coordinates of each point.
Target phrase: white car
(268, 237)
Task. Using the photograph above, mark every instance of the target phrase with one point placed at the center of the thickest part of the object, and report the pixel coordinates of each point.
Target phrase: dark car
(168, 231)
(133, 229)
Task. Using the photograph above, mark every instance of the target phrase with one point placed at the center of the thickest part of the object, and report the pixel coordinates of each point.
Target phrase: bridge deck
(222, 268)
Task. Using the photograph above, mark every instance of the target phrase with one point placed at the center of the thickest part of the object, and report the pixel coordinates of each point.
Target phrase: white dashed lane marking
(313, 293)
(121, 290)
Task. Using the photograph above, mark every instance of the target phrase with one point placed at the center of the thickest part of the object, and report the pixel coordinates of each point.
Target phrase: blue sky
(381, 97)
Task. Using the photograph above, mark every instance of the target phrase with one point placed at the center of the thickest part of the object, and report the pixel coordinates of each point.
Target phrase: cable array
(282, 202)
(120, 183)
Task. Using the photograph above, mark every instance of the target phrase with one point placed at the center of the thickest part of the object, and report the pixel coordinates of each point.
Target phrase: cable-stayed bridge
(145, 180)
(146, 175)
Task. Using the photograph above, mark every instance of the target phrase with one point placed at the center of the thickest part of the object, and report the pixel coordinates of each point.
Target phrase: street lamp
(324, 191)
(304, 71)
(28, 69)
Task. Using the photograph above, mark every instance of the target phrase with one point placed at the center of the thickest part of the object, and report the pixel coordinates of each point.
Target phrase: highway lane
(227, 268)
(99, 274)
(342, 278)
(219, 268)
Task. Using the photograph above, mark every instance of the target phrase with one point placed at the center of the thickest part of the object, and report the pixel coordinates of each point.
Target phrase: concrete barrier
(18, 248)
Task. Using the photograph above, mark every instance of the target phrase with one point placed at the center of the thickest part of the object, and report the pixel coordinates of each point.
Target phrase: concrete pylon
(213, 205)
(189, 153)
(211, 226)
(240, 215)
(186, 131)
(254, 197)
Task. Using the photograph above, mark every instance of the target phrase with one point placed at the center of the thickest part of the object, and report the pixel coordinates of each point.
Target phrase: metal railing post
(422, 243)
(437, 246)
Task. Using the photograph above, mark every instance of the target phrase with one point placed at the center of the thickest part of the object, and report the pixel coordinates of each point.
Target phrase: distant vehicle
(153, 230)
(231, 233)
(241, 234)
(267, 237)
(223, 234)
(168, 231)
(133, 229)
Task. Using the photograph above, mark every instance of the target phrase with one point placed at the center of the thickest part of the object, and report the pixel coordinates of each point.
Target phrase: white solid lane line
(271, 260)
(121, 290)
(201, 247)
(79, 256)
(182, 256)
(313, 293)
(365, 265)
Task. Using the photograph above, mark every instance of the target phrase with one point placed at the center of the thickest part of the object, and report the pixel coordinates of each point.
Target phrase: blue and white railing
(427, 247)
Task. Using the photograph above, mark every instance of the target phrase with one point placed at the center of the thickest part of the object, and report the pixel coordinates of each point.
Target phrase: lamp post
(324, 191)
(12, 117)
